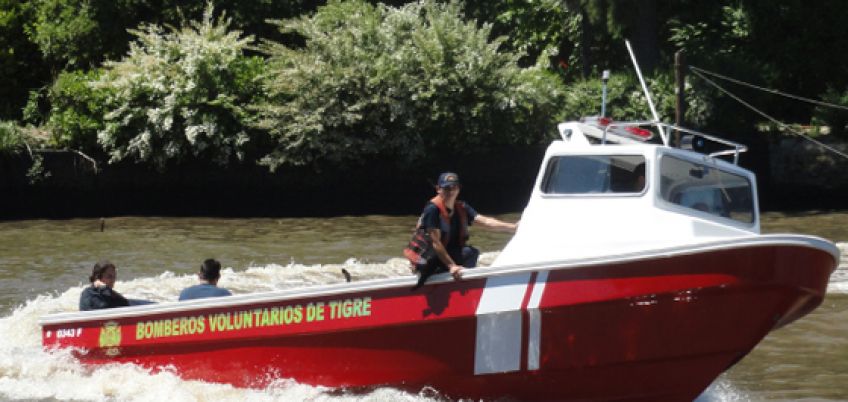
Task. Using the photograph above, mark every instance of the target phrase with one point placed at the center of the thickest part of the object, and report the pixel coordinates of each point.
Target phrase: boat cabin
(616, 188)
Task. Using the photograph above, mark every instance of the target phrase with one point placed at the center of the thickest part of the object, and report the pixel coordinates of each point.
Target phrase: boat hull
(650, 327)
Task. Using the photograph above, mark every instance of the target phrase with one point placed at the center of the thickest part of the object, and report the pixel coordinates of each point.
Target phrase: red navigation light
(641, 132)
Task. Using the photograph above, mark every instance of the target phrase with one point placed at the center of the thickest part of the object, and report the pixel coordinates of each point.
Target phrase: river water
(44, 265)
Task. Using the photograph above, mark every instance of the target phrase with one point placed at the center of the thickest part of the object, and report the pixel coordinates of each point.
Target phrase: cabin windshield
(706, 189)
(593, 174)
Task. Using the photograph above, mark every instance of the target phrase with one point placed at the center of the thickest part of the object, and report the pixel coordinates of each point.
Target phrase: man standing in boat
(210, 272)
(446, 220)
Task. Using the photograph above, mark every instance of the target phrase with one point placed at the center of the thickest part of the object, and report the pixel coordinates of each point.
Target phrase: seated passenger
(638, 178)
(210, 272)
(100, 294)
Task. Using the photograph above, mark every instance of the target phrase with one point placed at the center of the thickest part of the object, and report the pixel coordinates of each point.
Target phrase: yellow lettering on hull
(255, 318)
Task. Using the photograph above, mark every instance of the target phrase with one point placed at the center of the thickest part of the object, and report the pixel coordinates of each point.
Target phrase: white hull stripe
(535, 332)
(499, 324)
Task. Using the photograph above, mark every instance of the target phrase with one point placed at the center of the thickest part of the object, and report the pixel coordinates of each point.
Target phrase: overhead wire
(769, 90)
(782, 125)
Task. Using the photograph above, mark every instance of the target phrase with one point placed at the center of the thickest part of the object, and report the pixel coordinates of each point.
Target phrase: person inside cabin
(639, 178)
(446, 220)
(100, 294)
(210, 272)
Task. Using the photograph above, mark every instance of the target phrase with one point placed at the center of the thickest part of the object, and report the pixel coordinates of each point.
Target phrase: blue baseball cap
(448, 179)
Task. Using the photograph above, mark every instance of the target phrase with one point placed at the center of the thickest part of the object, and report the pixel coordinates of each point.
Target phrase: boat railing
(735, 147)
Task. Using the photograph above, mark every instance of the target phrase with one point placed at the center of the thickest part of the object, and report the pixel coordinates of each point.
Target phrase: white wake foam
(28, 372)
(839, 278)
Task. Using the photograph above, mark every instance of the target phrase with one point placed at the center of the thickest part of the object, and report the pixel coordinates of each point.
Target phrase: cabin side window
(594, 174)
(706, 189)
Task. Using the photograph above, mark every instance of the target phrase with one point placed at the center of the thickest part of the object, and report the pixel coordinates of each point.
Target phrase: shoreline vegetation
(245, 109)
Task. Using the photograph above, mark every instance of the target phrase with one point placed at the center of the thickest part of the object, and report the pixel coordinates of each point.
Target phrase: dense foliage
(626, 100)
(400, 82)
(393, 78)
(836, 119)
(10, 137)
(534, 29)
(21, 64)
(78, 110)
(178, 93)
(74, 34)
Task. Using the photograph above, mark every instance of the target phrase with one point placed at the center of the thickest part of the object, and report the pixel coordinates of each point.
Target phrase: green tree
(39, 39)
(580, 37)
(399, 83)
(77, 110)
(718, 39)
(248, 16)
(21, 66)
(799, 43)
(786, 46)
(81, 34)
(11, 139)
(531, 28)
(181, 93)
(626, 100)
(836, 119)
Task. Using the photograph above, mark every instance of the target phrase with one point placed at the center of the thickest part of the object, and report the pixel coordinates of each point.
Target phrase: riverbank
(793, 175)
(804, 174)
(497, 182)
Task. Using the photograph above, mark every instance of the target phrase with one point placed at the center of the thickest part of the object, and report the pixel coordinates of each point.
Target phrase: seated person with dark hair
(638, 178)
(210, 272)
(100, 294)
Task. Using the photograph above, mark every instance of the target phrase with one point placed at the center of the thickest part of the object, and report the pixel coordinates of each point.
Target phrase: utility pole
(679, 91)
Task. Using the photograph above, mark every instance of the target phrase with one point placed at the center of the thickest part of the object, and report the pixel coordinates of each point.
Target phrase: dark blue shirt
(202, 291)
(93, 298)
(431, 219)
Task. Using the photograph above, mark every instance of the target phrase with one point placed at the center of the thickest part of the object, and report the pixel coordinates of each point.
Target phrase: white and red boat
(614, 288)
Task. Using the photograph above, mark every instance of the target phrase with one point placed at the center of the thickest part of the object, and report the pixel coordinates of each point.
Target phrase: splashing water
(839, 279)
(29, 372)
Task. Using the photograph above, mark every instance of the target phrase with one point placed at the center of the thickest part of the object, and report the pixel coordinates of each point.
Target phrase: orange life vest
(420, 248)
(459, 206)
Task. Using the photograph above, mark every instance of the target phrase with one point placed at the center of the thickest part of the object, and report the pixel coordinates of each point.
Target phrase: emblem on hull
(110, 338)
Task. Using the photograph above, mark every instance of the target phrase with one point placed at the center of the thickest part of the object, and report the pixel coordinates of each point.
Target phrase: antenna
(647, 93)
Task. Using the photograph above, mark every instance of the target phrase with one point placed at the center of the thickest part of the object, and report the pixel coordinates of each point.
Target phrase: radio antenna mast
(647, 92)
